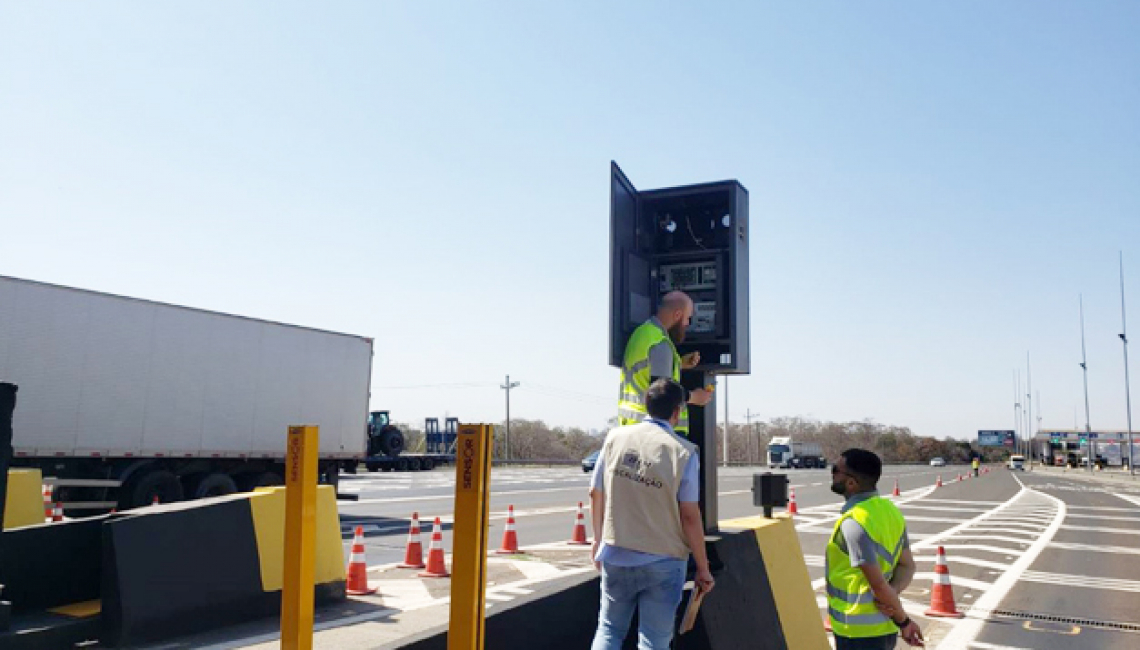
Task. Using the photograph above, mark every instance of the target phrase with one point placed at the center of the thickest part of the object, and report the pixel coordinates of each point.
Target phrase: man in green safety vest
(975, 464)
(868, 560)
(651, 353)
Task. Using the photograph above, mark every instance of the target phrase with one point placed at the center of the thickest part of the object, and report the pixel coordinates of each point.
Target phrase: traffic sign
(996, 439)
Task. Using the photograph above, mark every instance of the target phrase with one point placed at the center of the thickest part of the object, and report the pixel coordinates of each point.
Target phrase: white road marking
(1111, 508)
(1096, 529)
(536, 570)
(404, 593)
(1071, 580)
(940, 508)
(966, 630)
(1073, 515)
(1095, 548)
(1129, 499)
(955, 581)
(995, 538)
(965, 559)
(993, 646)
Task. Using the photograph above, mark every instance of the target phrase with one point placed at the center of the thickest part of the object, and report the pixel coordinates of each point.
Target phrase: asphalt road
(1038, 560)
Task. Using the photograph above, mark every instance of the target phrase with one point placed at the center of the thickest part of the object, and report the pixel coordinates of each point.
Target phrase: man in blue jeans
(644, 505)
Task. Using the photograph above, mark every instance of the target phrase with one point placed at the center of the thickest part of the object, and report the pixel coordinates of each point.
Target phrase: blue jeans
(654, 590)
(869, 643)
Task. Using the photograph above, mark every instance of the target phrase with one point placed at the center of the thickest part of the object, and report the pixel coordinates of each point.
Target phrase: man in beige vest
(646, 518)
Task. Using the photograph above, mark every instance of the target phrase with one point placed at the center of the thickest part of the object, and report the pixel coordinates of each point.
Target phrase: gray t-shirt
(854, 540)
(661, 355)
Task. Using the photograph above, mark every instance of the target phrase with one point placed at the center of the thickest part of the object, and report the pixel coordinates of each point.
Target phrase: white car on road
(938, 461)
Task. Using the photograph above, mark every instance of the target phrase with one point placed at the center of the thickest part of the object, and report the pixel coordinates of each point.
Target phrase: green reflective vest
(636, 377)
(850, 601)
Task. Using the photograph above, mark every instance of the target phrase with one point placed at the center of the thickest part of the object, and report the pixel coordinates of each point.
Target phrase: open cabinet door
(631, 296)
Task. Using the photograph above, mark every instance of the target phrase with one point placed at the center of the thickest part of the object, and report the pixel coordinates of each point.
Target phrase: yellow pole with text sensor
(469, 561)
(300, 538)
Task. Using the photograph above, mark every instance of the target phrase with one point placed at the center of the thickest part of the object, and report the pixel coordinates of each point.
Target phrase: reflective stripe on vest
(636, 376)
(850, 601)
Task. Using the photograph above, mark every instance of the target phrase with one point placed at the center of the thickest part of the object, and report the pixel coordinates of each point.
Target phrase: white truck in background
(122, 401)
(788, 453)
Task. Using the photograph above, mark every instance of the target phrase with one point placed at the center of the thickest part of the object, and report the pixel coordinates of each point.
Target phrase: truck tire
(402, 465)
(372, 467)
(141, 490)
(216, 484)
(391, 442)
(427, 464)
(252, 481)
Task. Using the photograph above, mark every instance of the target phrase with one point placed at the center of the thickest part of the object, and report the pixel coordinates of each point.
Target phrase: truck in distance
(785, 452)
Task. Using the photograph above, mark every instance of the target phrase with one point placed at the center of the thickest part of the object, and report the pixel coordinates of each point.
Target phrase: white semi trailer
(122, 401)
(789, 453)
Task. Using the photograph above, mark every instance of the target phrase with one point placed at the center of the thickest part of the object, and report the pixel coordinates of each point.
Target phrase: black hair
(864, 464)
(663, 398)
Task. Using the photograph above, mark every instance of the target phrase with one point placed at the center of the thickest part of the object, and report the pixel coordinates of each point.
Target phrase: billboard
(996, 439)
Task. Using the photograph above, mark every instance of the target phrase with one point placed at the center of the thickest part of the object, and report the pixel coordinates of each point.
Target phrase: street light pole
(1017, 408)
(1085, 369)
(1029, 414)
(507, 386)
(1127, 388)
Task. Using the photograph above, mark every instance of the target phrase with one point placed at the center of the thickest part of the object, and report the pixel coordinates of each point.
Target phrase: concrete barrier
(189, 567)
(788, 577)
(268, 508)
(763, 600)
(24, 501)
(51, 565)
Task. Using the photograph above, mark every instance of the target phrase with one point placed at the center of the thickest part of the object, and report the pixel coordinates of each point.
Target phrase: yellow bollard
(469, 559)
(300, 538)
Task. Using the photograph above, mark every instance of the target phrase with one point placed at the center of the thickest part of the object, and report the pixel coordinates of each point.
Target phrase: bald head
(674, 313)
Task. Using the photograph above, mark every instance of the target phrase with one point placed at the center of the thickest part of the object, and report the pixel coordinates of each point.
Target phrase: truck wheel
(211, 485)
(427, 464)
(391, 442)
(142, 490)
(252, 481)
(372, 467)
(402, 465)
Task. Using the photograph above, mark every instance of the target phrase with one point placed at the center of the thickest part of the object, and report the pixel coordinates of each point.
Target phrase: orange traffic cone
(414, 554)
(510, 545)
(939, 483)
(48, 505)
(57, 512)
(942, 593)
(358, 568)
(896, 490)
(959, 478)
(578, 537)
(436, 567)
(156, 501)
(792, 509)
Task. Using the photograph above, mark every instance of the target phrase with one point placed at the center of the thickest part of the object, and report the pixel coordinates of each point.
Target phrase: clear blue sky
(932, 185)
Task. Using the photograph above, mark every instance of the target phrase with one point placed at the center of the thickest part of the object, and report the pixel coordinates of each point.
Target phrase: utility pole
(1127, 388)
(507, 386)
(1085, 368)
(748, 415)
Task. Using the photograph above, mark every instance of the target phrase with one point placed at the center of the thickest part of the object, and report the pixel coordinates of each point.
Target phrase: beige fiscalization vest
(642, 475)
